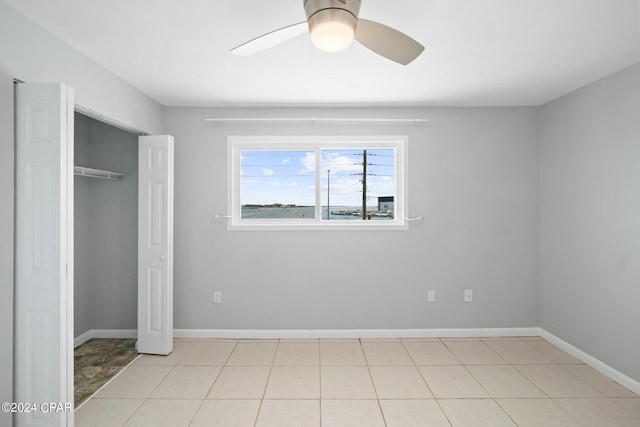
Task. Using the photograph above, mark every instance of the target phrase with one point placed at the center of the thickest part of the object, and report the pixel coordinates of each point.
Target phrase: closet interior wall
(106, 229)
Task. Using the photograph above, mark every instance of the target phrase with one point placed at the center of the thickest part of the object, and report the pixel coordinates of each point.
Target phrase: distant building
(385, 204)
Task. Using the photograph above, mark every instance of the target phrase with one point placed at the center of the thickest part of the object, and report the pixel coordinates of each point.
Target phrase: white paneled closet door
(155, 244)
(44, 254)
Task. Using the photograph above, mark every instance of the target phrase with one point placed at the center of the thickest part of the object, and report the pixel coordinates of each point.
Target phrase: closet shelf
(96, 173)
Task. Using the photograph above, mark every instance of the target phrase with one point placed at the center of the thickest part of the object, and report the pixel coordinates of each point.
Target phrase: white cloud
(275, 183)
(294, 184)
(267, 172)
(340, 163)
(285, 161)
(309, 163)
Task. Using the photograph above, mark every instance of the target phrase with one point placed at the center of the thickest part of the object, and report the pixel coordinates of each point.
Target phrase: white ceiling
(478, 52)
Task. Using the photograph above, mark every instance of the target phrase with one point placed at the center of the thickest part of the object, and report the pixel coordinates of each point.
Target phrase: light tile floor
(331, 383)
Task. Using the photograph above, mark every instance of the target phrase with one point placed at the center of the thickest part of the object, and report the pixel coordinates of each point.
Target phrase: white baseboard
(81, 339)
(105, 333)
(354, 333)
(596, 364)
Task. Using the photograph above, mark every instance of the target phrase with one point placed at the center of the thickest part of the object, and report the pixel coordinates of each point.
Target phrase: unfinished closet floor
(410, 382)
(97, 361)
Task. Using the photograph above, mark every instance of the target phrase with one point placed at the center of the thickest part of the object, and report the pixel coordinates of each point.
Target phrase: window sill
(312, 225)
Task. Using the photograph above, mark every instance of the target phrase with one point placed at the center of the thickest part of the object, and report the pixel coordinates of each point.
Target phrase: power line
(380, 155)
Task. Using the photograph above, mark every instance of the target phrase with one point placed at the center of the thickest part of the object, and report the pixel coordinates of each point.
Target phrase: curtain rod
(314, 119)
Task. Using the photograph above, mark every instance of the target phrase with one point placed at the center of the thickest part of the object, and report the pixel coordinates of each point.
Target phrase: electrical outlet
(217, 297)
(468, 295)
(431, 296)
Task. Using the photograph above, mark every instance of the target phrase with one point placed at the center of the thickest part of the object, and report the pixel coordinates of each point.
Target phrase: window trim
(238, 143)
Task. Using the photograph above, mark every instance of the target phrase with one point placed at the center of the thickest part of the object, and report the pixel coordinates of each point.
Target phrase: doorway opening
(105, 252)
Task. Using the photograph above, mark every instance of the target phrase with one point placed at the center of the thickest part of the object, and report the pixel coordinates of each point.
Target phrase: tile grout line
(264, 392)
(147, 399)
(532, 383)
(320, 381)
(215, 379)
(489, 394)
(375, 389)
(425, 381)
(415, 365)
(206, 393)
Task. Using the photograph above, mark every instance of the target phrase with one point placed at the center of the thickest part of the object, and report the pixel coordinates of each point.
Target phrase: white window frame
(238, 143)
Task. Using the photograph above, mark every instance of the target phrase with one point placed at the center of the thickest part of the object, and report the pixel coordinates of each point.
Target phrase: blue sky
(289, 176)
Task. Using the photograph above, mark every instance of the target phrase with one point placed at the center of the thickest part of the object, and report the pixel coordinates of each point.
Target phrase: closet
(80, 255)
(106, 231)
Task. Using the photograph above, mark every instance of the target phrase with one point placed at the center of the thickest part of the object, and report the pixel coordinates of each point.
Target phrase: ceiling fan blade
(271, 39)
(387, 42)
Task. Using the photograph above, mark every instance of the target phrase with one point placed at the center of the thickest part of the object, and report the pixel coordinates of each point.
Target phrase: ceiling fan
(333, 25)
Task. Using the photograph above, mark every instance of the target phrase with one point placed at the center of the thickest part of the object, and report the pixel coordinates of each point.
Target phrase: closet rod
(96, 173)
(317, 119)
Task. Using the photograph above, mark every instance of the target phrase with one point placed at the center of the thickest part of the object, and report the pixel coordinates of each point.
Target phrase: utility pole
(328, 204)
(364, 184)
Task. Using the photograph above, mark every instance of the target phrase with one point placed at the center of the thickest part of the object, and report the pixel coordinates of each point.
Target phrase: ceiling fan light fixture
(332, 30)
(333, 25)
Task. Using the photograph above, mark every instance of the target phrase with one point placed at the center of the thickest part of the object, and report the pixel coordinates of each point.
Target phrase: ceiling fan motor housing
(342, 15)
(312, 7)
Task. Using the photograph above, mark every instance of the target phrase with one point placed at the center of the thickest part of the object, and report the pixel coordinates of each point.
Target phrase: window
(317, 182)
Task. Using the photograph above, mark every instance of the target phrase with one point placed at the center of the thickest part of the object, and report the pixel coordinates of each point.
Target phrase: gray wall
(6, 244)
(473, 174)
(106, 229)
(590, 219)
